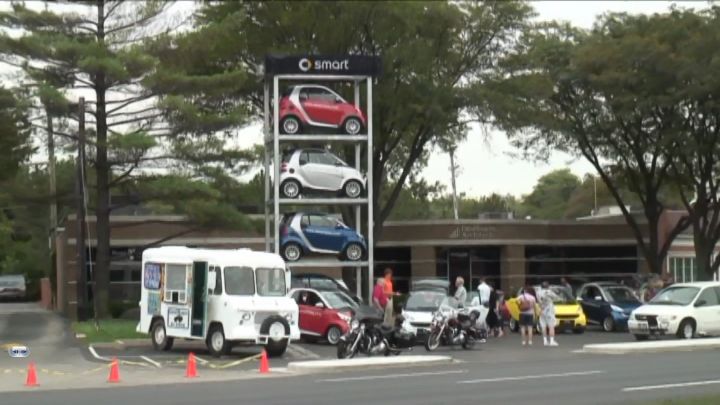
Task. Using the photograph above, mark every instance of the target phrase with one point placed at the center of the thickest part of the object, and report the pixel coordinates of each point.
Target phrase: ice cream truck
(225, 297)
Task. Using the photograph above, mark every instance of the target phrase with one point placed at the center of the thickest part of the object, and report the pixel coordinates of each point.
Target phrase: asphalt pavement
(501, 371)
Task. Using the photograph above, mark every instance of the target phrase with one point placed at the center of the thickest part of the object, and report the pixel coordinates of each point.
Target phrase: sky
(488, 163)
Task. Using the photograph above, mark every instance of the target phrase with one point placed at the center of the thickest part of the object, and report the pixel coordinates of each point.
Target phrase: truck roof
(220, 257)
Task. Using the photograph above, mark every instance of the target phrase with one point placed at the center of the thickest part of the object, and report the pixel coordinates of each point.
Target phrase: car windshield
(424, 301)
(239, 281)
(620, 294)
(271, 282)
(563, 296)
(675, 296)
(337, 299)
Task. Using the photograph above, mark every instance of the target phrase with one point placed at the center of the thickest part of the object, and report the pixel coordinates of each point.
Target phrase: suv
(302, 233)
(310, 105)
(317, 169)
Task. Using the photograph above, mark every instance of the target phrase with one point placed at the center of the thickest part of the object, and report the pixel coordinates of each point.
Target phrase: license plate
(643, 326)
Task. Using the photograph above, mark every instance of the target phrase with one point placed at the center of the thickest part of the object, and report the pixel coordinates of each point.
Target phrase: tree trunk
(704, 247)
(101, 272)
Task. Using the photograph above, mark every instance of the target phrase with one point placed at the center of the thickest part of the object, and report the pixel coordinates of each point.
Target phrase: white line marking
(94, 353)
(201, 360)
(664, 386)
(151, 361)
(388, 376)
(531, 377)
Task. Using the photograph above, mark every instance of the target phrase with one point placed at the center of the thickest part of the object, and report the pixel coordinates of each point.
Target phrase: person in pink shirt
(379, 297)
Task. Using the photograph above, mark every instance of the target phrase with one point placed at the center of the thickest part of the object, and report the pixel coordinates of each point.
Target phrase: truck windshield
(271, 282)
(239, 281)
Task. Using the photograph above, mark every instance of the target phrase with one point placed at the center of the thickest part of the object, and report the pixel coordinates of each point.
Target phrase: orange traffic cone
(264, 366)
(191, 369)
(114, 371)
(31, 380)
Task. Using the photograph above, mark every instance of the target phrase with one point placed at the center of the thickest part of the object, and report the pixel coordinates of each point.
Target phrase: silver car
(12, 287)
(318, 169)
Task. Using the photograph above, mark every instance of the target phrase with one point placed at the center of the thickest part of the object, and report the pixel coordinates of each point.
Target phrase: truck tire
(216, 343)
(159, 337)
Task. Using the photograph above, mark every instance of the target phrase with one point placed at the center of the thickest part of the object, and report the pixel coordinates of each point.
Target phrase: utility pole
(51, 175)
(451, 152)
(80, 205)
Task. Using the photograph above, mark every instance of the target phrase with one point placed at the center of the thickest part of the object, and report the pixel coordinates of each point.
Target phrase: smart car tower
(326, 126)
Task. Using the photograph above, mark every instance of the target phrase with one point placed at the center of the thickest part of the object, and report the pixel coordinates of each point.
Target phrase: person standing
(389, 294)
(379, 299)
(526, 304)
(492, 319)
(566, 285)
(502, 311)
(547, 299)
(484, 292)
(460, 292)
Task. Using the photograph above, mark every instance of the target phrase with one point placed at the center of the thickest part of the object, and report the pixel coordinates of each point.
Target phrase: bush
(118, 308)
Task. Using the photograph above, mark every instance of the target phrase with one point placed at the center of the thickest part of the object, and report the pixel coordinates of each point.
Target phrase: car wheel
(686, 330)
(352, 189)
(608, 324)
(160, 340)
(290, 125)
(292, 252)
(353, 252)
(290, 189)
(352, 126)
(216, 342)
(641, 338)
(333, 335)
(513, 324)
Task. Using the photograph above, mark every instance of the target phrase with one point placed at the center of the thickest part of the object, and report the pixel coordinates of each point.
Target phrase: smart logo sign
(354, 65)
(320, 65)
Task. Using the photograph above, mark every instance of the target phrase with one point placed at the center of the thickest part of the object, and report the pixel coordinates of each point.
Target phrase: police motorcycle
(452, 325)
(371, 337)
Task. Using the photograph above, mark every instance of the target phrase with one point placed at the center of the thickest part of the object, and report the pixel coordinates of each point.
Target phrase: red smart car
(323, 313)
(309, 106)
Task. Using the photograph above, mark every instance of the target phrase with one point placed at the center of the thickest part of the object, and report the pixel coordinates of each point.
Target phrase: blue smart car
(302, 233)
(608, 304)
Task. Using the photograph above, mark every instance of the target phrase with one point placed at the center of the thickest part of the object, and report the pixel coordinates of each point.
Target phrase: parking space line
(674, 385)
(151, 361)
(235, 363)
(201, 360)
(91, 348)
(532, 377)
(389, 376)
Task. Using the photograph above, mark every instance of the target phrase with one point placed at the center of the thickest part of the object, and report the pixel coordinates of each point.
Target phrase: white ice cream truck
(224, 297)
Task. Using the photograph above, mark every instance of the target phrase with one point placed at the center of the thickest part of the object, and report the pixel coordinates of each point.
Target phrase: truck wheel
(160, 339)
(276, 348)
(216, 342)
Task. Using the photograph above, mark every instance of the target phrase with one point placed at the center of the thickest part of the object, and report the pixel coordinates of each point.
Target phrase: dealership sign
(350, 65)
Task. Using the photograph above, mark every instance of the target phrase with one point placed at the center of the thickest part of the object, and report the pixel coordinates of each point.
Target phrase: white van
(224, 297)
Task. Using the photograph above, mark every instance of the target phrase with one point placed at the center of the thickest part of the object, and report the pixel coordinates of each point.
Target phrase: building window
(683, 269)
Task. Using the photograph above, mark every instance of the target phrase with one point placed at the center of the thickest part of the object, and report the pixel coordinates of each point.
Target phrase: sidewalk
(653, 346)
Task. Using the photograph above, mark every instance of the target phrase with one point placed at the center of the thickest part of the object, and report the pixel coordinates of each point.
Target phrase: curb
(345, 364)
(652, 347)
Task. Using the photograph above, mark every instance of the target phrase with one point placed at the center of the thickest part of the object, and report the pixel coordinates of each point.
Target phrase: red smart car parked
(312, 106)
(323, 313)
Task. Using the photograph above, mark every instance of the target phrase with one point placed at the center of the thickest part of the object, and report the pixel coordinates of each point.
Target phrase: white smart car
(685, 310)
(317, 169)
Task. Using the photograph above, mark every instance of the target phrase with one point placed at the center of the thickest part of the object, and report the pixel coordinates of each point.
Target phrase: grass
(705, 400)
(110, 330)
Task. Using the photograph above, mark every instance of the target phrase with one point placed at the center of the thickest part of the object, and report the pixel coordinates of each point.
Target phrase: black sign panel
(343, 65)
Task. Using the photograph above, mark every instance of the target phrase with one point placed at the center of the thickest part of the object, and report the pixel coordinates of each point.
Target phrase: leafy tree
(102, 51)
(550, 196)
(433, 52)
(603, 95)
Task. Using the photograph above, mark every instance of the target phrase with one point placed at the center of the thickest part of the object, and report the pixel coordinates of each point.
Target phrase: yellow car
(568, 312)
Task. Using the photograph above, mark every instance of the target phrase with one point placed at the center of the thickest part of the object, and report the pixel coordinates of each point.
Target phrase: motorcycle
(450, 326)
(371, 337)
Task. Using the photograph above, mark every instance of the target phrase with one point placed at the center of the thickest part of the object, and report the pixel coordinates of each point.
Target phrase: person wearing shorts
(547, 300)
(526, 303)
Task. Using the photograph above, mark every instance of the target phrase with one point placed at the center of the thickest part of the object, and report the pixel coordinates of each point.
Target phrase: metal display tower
(358, 70)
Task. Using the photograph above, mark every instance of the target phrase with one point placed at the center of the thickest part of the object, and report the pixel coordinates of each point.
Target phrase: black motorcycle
(370, 337)
(452, 327)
